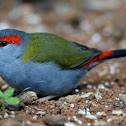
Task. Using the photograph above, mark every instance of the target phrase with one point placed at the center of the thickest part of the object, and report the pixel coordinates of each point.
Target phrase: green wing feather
(46, 47)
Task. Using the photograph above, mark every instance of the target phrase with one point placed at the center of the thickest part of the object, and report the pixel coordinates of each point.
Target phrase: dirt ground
(100, 100)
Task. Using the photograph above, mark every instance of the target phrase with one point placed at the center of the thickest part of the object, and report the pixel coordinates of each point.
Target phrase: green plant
(6, 97)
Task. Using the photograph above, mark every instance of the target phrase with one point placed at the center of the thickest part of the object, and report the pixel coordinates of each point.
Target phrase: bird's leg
(46, 98)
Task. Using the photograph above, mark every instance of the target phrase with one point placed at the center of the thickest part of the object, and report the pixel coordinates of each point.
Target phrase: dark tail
(114, 54)
(105, 55)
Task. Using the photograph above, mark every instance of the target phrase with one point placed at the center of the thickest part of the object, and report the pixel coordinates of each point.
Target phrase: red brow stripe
(103, 55)
(12, 39)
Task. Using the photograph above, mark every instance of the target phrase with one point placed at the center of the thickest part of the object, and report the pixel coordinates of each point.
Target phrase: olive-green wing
(46, 47)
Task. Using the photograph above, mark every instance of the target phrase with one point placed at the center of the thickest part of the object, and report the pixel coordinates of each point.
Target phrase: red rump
(13, 39)
(103, 55)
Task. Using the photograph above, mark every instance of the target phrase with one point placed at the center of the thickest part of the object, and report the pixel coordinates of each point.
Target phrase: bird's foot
(46, 98)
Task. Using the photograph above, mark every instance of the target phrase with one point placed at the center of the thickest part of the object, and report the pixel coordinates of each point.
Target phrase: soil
(100, 100)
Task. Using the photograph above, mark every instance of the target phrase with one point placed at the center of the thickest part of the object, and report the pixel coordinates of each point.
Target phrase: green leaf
(13, 100)
(8, 93)
(1, 94)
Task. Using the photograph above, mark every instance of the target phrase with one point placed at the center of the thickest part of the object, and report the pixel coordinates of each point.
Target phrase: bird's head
(12, 42)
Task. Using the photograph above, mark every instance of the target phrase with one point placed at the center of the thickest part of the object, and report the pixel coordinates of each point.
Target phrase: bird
(47, 63)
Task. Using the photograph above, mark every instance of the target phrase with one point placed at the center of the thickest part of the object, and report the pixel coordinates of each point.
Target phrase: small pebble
(98, 95)
(54, 120)
(120, 105)
(84, 111)
(122, 92)
(71, 105)
(77, 90)
(117, 98)
(69, 118)
(106, 83)
(112, 83)
(40, 113)
(122, 97)
(89, 124)
(124, 114)
(100, 123)
(12, 112)
(76, 119)
(96, 38)
(6, 115)
(91, 117)
(28, 123)
(5, 87)
(98, 113)
(86, 95)
(79, 121)
(69, 124)
(101, 86)
(89, 86)
(117, 112)
(109, 120)
(106, 106)
(72, 98)
(35, 117)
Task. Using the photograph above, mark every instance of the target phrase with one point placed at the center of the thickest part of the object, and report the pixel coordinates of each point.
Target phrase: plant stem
(3, 108)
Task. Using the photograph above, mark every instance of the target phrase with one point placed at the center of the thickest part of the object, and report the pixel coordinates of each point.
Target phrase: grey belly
(45, 79)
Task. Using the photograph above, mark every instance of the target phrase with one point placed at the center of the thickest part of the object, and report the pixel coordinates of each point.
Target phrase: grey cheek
(11, 50)
(6, 47)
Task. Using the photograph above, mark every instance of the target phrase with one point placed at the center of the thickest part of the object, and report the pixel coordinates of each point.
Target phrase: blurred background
(95, 23)
(98, 24)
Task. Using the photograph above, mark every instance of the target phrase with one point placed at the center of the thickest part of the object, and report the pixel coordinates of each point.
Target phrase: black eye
(3, 43)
